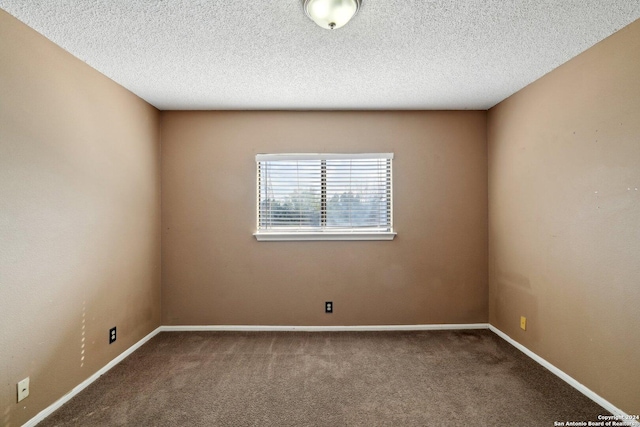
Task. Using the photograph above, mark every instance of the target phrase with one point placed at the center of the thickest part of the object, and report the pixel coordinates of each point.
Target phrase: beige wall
(564, 209)
(215, 272)
(79, 220)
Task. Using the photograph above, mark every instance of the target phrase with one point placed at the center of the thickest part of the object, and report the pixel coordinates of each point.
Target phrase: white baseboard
(255, 328)
(565, 377)
(84, 384)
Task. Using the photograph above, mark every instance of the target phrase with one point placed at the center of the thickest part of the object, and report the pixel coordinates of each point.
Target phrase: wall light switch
(23, 389)
(523, 323)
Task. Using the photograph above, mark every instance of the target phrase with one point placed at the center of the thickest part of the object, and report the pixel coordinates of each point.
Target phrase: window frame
(319, 233)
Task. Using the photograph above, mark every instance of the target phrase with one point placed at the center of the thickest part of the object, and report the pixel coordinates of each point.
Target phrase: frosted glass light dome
(331, 14)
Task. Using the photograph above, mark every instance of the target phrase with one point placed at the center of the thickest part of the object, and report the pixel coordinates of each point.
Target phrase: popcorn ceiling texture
(411, 54)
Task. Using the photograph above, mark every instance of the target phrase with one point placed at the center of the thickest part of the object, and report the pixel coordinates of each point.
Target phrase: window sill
(300, 236)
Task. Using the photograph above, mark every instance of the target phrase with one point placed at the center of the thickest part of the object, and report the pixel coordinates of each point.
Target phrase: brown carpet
(433, 378)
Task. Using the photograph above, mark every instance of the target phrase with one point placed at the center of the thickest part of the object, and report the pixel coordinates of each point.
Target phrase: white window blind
(324, 196)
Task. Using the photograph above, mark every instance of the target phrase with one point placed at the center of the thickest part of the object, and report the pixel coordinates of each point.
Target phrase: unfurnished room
(319, 213)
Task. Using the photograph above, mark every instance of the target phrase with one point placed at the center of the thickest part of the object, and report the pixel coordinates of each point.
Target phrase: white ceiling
(266, 54)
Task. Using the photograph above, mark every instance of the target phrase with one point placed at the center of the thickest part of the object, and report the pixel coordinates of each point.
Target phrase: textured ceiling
(266, 54)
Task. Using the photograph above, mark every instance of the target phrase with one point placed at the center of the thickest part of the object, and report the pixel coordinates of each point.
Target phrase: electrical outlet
(328, 307)
(112, 335)
(23, 389)
(523, 323)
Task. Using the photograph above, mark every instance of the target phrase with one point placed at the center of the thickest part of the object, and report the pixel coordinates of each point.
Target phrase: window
(324, 197)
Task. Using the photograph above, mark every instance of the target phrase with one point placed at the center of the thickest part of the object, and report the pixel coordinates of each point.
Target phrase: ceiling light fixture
(331, 14)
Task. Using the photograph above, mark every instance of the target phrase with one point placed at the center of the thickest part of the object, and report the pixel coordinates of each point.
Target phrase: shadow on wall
(516, 289)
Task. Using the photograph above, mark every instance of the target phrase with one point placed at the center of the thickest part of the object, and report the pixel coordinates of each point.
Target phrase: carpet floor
(424, 378)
